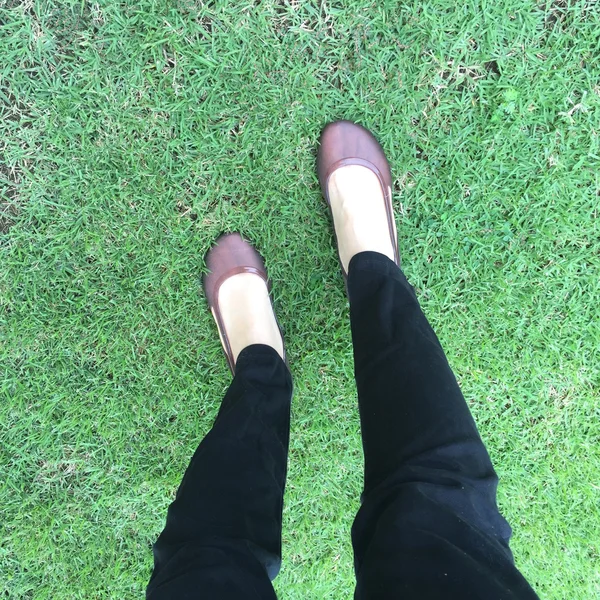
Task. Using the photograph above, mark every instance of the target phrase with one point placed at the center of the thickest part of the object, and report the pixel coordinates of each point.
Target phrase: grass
(132, 133)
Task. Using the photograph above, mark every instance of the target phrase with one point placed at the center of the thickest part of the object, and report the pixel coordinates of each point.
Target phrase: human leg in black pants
(222, 539)
(428, 526)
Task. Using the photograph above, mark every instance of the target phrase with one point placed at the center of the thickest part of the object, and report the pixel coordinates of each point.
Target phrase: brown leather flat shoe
(345, 143)
(229, 256)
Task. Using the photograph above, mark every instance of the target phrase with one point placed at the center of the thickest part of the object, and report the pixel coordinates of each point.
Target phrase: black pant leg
(429, 526)
(222, 537)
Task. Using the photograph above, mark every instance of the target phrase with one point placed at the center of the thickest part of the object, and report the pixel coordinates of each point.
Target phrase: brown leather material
(230, 255)
(345, 143)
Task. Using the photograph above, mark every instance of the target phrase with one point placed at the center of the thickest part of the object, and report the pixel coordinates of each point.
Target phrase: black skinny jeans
(428, 527)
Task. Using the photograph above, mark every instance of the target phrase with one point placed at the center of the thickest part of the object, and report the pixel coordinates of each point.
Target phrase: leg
(429, 525)
(223, 532)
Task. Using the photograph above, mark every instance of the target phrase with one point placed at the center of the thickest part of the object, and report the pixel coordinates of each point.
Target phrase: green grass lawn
(133, 132)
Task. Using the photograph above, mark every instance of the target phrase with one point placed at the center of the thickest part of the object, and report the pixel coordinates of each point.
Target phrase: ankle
(359, 213)
(247, 314)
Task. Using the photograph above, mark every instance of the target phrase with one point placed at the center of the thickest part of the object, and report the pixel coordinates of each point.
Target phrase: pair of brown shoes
(342, 143)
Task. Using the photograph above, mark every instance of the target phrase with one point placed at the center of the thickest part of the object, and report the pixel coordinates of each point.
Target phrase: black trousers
(428, 526)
